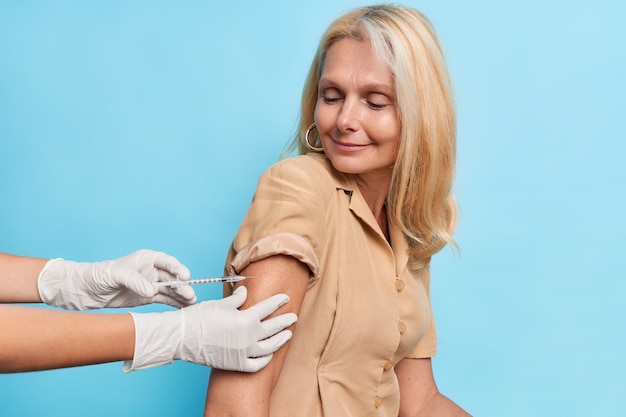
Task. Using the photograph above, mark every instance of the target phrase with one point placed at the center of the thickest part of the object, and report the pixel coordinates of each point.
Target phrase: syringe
(176, 283)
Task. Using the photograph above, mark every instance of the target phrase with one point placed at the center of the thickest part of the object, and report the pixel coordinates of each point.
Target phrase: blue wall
(146, 124)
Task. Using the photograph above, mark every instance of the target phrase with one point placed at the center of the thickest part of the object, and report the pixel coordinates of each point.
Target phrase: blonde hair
(420, 199)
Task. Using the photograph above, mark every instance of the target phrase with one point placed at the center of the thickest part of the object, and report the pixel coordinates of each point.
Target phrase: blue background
(130, 124)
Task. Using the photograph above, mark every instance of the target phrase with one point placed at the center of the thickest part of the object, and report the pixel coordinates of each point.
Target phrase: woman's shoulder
(310, 161)
(309, 168)
(303, 179)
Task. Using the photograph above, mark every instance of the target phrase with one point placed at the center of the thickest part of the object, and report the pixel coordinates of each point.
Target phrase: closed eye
(376, 106)
(330, 100)
(378, 101)
(331, 95)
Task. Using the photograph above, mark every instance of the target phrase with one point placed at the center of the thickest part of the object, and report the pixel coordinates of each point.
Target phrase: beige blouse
(363, 312)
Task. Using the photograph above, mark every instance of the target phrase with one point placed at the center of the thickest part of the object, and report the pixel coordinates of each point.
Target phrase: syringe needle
(178, 283)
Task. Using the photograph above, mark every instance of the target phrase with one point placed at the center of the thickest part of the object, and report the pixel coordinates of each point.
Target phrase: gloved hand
(212, 333)
(124, 282)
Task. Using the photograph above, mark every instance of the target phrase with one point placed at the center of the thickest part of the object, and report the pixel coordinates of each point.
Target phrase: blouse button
(399, 285)
(388, 365)
(401, 327)
(378, 402)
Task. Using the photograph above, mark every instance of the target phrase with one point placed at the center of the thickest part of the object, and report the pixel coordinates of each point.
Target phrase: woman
(348, 229)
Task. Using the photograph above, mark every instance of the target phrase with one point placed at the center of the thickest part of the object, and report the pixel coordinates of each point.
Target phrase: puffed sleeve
(427, 346)
(286, 217)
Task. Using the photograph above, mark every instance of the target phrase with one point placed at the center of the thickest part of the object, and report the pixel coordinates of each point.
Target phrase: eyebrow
(372, 87)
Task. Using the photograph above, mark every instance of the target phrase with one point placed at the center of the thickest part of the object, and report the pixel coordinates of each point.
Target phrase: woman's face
(356, 114)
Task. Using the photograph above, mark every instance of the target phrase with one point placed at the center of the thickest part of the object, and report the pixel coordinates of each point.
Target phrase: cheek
(392, 125)
(322, 118)
(385, 129)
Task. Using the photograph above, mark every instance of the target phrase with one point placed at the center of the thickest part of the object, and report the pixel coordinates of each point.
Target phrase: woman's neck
(375, 195)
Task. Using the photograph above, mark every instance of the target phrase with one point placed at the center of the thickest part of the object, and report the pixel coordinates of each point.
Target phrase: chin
(348, 165)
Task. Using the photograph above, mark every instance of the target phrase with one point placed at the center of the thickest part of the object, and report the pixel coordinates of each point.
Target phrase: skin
(359, 128)
(357, 120)
(48, 339)
(419, 396)
(244, 394)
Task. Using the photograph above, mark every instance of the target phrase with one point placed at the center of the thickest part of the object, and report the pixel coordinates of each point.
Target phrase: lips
(348, 147)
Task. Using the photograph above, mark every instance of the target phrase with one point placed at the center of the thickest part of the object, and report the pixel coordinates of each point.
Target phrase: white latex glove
(124, 282)
(212, 333)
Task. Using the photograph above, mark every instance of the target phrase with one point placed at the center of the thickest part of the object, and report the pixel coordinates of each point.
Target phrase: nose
(348, 119)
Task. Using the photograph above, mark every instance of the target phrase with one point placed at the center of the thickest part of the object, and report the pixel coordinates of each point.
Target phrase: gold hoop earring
(308, 143)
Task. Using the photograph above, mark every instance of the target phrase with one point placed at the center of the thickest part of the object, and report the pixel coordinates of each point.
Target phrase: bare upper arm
(273, 275)
(417, 383)
(419, 395)
(234, 393)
